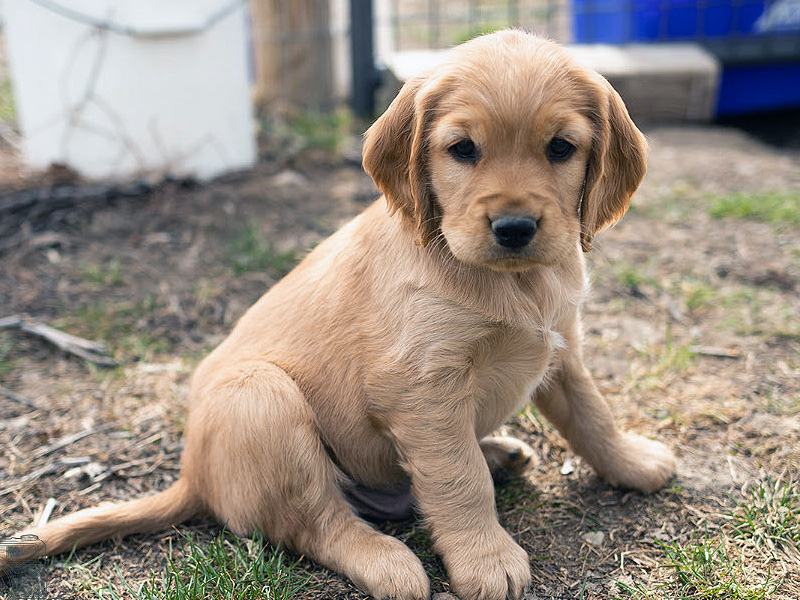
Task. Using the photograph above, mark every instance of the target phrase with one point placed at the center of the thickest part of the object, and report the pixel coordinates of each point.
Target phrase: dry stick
(46, 512)
(715, 352)
(85, 349)
(48, 469)
(69, 439)
(32, 476)
(114, 469)
(14, 397)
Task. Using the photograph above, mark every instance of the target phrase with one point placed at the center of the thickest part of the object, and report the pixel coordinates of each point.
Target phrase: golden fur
(411, 334)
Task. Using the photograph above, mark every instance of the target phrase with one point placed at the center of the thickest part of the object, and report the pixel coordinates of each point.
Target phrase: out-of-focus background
(162, 164)
(115, 88)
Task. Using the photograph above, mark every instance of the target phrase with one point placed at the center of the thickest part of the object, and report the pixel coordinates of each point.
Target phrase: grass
(326, 131)
(679, 201)
(760, 311)
(698, 295)
(464, 35)
(119, 325)
(225, 567)
(6, 345)
(770, 521)
(778, 403)
(778, 208)
(752, 555)
(670, 359)
(248, 251)
(109, 274)
(707, 569)
(634, 278)
(676, 357)
(8, 109)
(671, 203)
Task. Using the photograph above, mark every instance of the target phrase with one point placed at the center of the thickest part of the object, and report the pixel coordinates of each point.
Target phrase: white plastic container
(124, 88)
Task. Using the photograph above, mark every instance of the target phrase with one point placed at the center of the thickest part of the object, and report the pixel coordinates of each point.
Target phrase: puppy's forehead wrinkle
(551, 104)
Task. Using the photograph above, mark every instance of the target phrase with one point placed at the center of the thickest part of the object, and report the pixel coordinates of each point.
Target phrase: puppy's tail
(159, 511)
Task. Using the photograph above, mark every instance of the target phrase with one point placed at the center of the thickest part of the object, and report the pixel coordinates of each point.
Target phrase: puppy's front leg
(573, 404)
(454, 492)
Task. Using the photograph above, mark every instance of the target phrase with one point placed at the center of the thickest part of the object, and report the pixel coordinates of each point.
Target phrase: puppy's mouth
(512, 261)
(507, 243)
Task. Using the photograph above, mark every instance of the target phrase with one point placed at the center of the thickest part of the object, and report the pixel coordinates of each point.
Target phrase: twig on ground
(85, 349)
(153, 464)
(32, 476)
(47, 511)
(48, 469)
(70, 439)
(14, 397)
(715, 352)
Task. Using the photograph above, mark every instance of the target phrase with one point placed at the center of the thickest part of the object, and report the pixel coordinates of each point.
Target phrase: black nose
(514, 232)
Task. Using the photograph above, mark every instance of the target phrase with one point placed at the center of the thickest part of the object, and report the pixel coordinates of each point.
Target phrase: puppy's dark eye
(559, 150)
(464, 151)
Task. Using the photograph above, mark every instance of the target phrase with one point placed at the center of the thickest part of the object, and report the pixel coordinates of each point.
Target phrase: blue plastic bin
(757, 41)
(626, 21)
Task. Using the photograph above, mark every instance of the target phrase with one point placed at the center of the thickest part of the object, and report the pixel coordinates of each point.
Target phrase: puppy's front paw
(507, 457)
(488, 569)
(640, 464)
(387, 569)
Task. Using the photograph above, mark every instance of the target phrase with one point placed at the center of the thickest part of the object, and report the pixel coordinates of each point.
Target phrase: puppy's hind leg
(263, 466)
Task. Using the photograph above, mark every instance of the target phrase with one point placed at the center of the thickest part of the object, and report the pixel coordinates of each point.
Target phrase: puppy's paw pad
(507, 457)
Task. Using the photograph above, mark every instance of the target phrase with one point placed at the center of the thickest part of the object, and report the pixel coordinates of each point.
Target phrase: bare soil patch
(692, 332)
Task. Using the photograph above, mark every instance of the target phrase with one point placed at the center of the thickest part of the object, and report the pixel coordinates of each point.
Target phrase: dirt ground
(692, 332)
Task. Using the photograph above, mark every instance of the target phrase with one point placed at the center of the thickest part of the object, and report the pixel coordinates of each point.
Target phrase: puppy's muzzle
(514, 232)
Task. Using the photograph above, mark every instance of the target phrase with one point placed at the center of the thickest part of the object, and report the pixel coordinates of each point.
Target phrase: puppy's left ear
(395, 156)
(616, 166)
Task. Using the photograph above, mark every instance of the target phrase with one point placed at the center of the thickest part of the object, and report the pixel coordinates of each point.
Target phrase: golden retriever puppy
(365, 382)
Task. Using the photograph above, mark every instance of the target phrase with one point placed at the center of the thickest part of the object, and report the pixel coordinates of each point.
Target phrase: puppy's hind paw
(507, 457)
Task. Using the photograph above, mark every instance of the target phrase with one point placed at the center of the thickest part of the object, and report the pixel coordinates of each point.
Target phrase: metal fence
(731, 29)
(418, 24)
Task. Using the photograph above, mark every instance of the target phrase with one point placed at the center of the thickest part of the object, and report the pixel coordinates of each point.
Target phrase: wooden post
(292, 43)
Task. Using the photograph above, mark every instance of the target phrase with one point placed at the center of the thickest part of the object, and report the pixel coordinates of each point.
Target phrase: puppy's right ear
(394, 155)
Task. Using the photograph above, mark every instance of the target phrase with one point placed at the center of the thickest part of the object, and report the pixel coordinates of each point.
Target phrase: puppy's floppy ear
(394, 156)
(616, 166)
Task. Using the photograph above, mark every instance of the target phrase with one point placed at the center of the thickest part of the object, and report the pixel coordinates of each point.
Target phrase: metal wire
(121, 29)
